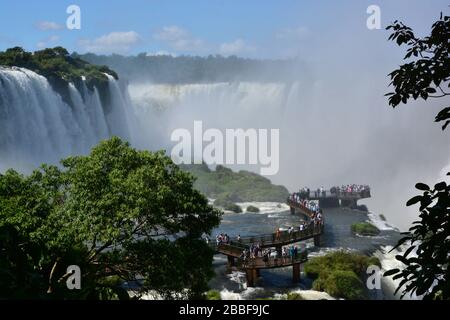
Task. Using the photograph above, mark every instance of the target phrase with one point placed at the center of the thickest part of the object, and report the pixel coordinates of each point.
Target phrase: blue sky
(264, 29)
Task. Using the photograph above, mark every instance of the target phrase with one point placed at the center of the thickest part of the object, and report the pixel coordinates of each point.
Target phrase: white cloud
(114, 42)
(48, 25)
(179, 39)
(47, 42)
(236, 47)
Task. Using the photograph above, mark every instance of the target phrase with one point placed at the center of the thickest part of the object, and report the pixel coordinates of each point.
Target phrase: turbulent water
(37, 126)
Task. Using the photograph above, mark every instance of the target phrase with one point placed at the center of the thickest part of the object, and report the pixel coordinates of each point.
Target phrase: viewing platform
(334, 197)
(252, 266)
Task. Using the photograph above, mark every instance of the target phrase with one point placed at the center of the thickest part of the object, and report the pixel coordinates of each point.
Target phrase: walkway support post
(231, 261)
(296, 272)
(279, 250)
(251, 276)
(317, 240)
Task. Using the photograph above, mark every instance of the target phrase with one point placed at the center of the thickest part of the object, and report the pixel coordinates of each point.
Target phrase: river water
(277, 282)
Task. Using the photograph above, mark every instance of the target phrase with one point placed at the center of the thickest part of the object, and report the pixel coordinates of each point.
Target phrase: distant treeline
(195, 69)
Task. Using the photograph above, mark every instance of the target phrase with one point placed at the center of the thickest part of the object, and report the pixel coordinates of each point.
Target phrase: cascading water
(37, 126)
(162, 108)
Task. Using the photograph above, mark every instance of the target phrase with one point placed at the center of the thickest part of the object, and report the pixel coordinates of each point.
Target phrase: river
(274, 283)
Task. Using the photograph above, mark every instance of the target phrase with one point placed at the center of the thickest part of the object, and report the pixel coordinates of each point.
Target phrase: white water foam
(306, 295)
(265, 207)
(388, 261)
(376, 220)
(247, 294)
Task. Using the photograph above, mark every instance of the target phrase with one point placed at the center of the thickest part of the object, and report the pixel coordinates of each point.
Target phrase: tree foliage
(60, 69)
(242, 186)
(120, 214)
(427, 74)
(195, 69)
(56, 63)
(427, 271)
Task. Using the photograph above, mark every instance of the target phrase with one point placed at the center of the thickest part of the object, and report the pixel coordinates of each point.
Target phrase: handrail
(340, 195)
(292, 203)
(272, 262)
(266, 240)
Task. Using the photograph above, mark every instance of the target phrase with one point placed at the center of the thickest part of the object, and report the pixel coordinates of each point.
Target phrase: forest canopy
(196, 69)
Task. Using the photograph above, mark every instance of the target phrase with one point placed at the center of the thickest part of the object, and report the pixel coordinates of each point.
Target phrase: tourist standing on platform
(284, 254)
(278, 234)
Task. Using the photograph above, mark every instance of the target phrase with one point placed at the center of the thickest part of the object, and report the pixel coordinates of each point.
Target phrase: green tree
(426, 273)
(428, 74)
(118, 213)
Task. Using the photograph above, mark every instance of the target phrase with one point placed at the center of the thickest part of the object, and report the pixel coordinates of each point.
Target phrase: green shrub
(374, 261)
(213, 295)
(252, 209)
(313, 267)
(294, 296)
(365, 229)
(344, 284)
(325, 271)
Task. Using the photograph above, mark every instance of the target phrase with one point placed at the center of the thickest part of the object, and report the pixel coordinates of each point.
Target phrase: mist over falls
(330, 132)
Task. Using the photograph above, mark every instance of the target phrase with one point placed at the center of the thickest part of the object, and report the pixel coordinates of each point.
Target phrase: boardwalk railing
(273, 240)
(301, 207)
(261, 262)
(327, 194)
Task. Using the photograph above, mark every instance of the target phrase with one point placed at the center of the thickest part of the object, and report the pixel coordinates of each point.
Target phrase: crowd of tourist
(351, 189)
(222, 238)
(311, 205)
(288, 253)
(305, 193)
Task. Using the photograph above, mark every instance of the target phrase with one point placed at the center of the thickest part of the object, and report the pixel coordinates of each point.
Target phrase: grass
(365, 229)
(294, 296)
(213, 295)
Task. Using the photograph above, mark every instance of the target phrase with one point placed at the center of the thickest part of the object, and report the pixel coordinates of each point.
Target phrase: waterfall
(37, 126)
(162, 108)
